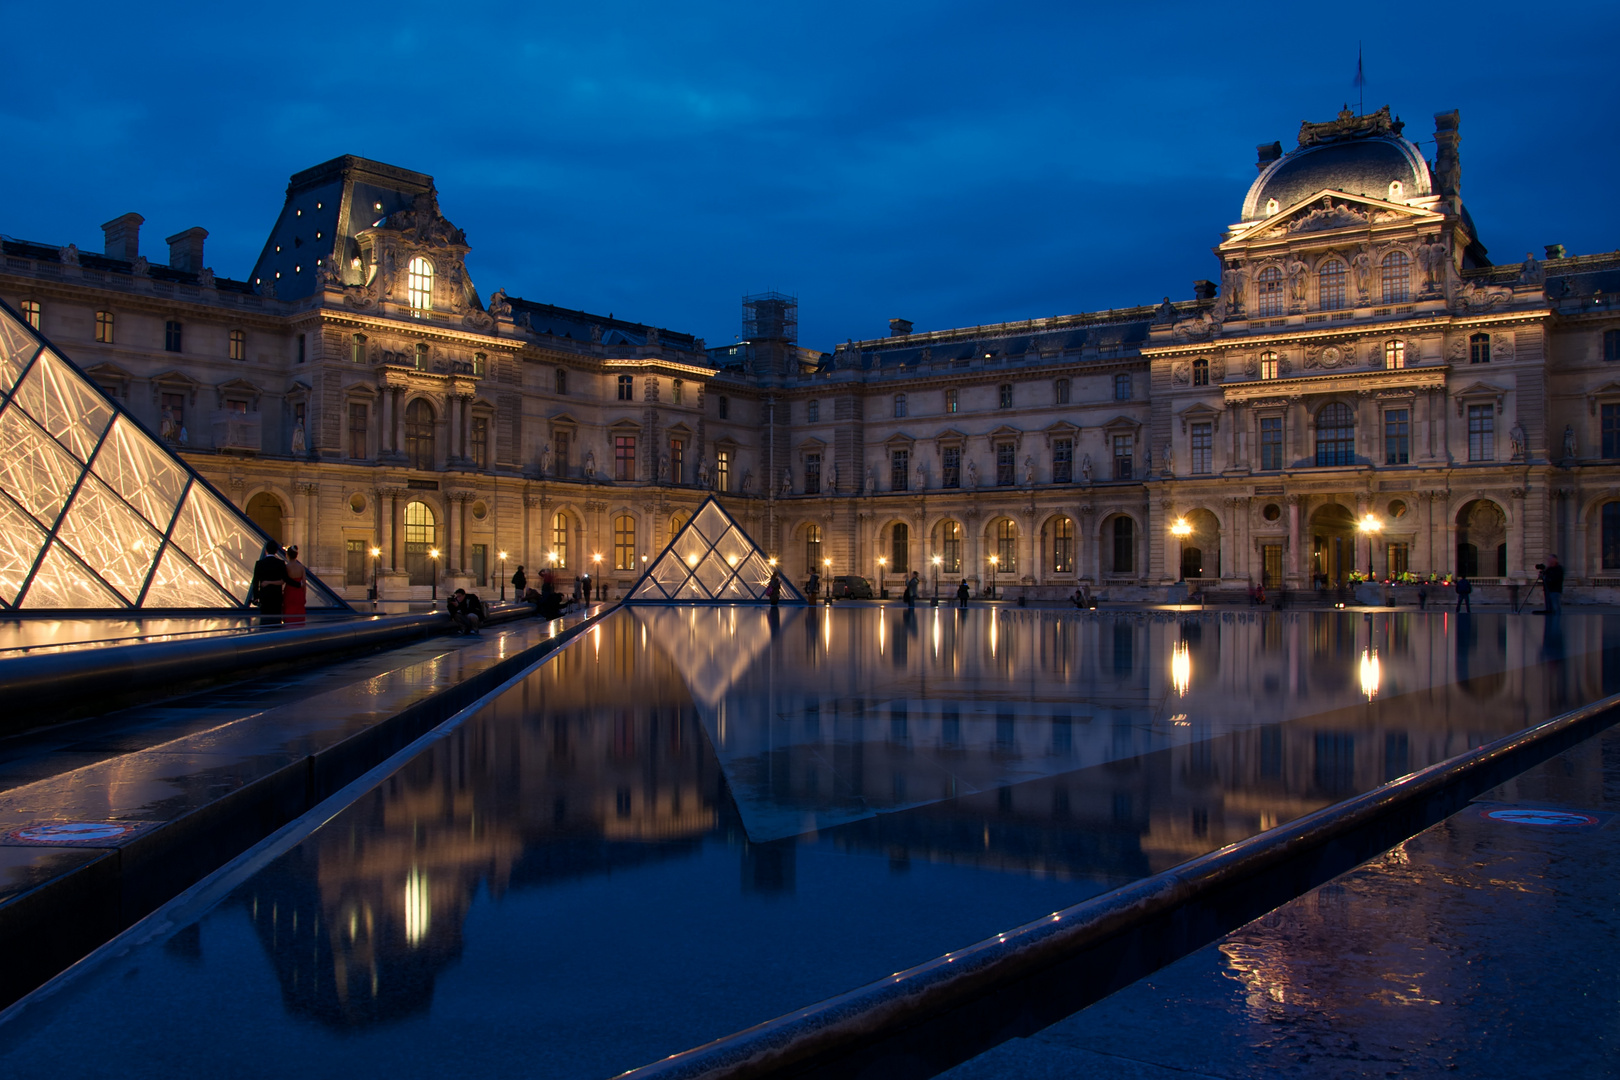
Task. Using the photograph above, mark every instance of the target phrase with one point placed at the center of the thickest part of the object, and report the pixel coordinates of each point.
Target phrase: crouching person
(467, 611)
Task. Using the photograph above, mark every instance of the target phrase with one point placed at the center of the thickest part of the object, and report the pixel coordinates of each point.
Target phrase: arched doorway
(948, 547)
(1333, 544)
(1201, 548)
(1481, 539)
(264, 510)
(900, 548)
(421, 542)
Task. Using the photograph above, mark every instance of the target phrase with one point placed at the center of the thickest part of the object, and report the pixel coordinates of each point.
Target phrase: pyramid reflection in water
(710, 560)
(95, 514)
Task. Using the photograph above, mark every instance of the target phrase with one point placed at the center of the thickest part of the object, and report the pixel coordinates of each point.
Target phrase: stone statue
(1361, 265)
(787, 482)
(747, 481)
(871, 481)
(703, 474)
(298, 439)
(1166, 312)
(1532, 272)
(1516, 439)
(663, 466)
(1569, 443)
(499, 307)
(596, 333)
(972, 474)
(545, 460)
(922, 477)
(205, 277)
(1232, 282)
(166, 428)
(1169, 459)
(1297, 271)
(590, 464)
(69, 255)
(140, 267)
(1432, 257)
(1147, 458)
(1085, 468)
(1029, 470)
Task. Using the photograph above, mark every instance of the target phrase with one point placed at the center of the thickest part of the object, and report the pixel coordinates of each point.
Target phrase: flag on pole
(1360, 83)
(1361, 78)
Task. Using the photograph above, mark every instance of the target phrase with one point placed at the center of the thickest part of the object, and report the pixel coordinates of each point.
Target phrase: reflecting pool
(691, 820)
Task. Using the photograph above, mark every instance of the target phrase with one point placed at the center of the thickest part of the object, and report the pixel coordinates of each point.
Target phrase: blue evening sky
(948, 163)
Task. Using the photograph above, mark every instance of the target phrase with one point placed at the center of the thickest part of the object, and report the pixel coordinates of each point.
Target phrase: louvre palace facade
(1356, 387)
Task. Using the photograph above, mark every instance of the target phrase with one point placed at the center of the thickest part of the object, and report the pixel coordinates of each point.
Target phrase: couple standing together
(278, 586)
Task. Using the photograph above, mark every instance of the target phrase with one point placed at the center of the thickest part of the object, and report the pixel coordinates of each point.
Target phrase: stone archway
(1333, 544)
(1481, 539)
(265, 511)
(1201, 548)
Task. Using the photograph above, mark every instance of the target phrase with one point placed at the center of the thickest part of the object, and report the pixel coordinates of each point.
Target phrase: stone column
(310, 552)
(398, 419)
(447, 551)
(385, 421)
(1031, 570)
(1364, 540)
(1168, 546)
(464, 423)
(463, 561)
(1296, 542)
(396, 536)
(1088, 560)
(1425, 553)
(1517, 566)
(452, 420)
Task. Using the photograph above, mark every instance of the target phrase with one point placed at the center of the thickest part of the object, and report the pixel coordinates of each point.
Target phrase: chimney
(1555, 251)
(124, 237)
(899, 327)
(1268, 152)
(186, 249)
(1203, 290)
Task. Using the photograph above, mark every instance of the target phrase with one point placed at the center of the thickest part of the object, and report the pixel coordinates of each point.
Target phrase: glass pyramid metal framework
(711, 560)
(96, 514)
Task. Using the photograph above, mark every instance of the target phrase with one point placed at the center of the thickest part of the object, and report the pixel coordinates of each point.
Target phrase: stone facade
(1358, 361)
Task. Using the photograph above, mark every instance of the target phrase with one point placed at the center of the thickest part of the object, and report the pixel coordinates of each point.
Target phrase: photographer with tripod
(1552, 583)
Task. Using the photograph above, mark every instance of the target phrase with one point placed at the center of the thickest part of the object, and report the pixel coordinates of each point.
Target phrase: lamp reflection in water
(1181, 668)
(1369, 673)
(418, 906)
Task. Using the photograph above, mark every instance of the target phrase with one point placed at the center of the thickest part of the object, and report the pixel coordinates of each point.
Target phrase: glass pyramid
(711, 560)
(96, 514)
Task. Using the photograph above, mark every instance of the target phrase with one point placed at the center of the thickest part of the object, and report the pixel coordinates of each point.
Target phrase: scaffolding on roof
(770, 316)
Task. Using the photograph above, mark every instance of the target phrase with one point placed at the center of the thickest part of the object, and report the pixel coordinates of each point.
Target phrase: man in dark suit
(269, 579)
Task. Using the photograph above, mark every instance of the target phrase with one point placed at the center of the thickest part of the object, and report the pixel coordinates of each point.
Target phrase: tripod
(1529, 591)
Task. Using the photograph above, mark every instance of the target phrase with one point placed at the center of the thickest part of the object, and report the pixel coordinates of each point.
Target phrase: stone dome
(1356, 164)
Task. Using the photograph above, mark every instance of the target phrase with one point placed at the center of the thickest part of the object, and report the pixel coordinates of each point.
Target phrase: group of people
(548, 600)
(278, 586)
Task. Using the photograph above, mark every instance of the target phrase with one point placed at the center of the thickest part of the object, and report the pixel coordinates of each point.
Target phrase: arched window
(812, 548)
(1200, 372)
(1394, 354)
(419, 434)
(1397, 277)
(421, 539)
(1479, 349)
(950, 547)
(558, 555)
(1063, 546)
(1268, 365)
(624, 542)
(1335, 435)
(264, 510)
(1268, 289)
(1331, 285)
(900, 548)
(677, 521)
(1124, 546)
(1007, 546)
(419, 285)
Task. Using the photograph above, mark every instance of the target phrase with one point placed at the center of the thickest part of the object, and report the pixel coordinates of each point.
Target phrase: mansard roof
(1117, 328)
(90, 260)
(578, 326)
(1358, 155)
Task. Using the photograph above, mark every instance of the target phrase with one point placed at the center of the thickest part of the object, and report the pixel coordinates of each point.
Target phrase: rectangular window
(953, 401)
(104, 326)
(30, 313)
(1062, 392)
(1482, 433)
(1063, 546)
(354, 562)
(677, 461)
(480, 442)
(1006, 395)
(236, 406)
(950, 554)
(724, 406)
(562, 382)
(1124, 451)
(899, 470)
(357, 430)
(1122, 387)
(677, 391)
(1062, 461)
(1271, 443)
(1611, 431)
(1397, 437)
(624, 542)
(1394, 355)
(1203, 449)
(479, 362)
(238, 345)
(1006, 465)
(950, 461)
(1268, 365)
(1397, 560)
(812, 474)
(722, 470)
(1611, 535)
(812, 412)
(357, 349)
(1271, 565)
(899, 405)
(480, 564)
(624, 457)
(1330, 285)
(1479, 349)
(1124, 546)
(559, 447)
(1611, 347)
(627, 388)
(171, 338)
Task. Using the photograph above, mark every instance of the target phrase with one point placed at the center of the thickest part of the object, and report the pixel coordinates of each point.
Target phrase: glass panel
(216, 539)
(670, 570)
(712, 573)
(711, 521)
(689, 545)
(140, 471)
(754, 575)
(20, 541)
(17, 347)
(34, 470)
(733, 547)
(691, 590)
(63, 582)
(108, 535)
(64, 404)
(178, 583)
(649, 590)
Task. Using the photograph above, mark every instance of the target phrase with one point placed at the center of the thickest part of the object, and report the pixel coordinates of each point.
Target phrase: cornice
(1301, 385)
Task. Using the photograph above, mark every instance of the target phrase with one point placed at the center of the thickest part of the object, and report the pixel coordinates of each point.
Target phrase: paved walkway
(1486, 946)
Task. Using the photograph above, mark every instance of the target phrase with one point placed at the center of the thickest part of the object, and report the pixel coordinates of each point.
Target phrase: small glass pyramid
(711, 560)
(96, 514)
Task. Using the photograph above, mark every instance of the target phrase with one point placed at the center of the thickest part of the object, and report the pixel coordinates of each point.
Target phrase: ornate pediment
(1326, 211)
(424, 224)
(1199, 414)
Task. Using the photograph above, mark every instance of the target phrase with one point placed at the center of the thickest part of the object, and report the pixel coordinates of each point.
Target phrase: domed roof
(1358, 155)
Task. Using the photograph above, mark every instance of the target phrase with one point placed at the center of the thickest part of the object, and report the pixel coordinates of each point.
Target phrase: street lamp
(827, 573)
(883, 564)
(596, 573)
(995, 573)
(433, 553)
(937, 561)
(1180, 529)
(376, 557)
(503, 575)
(1370, 527)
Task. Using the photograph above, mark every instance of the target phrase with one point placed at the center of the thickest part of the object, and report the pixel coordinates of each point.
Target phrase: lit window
(171, 336)
(1479, 349)
(812, 547)
(419, 285)
(812, 412)
(1006, 395)
(357, 349)
(624, 457)
(677, 391)
(421, 360)
(558, 556)
(1397, 277)
(1332, 285)
(624, 542)
(1269, 292)
(238, 345)
(30, 313)
(104, 326)
(1336, 435)
(677, 461)
(421, 537)
(627, 388)
(953, 401)
(950, 547)
(1063, 546)
(1061, 392)
(1394, 354)
(1268, 365)
(1200, 372)
(479, 360)
(722, 470)
(899, 405)
(1122, 387)
(1006, 546)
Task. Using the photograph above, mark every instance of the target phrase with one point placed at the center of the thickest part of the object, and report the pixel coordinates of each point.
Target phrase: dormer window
(1272, 207)
(1396, 191)
(1394, 355)
(419, 285)
(1268, 365)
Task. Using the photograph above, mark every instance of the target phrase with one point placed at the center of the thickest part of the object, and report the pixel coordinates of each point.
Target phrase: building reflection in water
(1085, 747)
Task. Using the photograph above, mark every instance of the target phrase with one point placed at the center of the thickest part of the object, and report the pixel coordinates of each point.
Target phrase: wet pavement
(1488, 945)
(692, 820)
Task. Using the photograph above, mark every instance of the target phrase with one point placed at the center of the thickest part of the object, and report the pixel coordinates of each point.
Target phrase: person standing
(1465, 589)
(812, 587)
(269, 577)
(520, 583)
(962, 594)
(773, 588)
(1552, 581)
(910, 594)
(292, 594)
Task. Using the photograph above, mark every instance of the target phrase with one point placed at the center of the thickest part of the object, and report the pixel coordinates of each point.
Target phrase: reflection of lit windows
(419, 285)
(418, 907)
(624, 542)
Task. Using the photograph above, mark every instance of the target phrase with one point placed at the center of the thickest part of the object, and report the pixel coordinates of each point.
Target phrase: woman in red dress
(293, 601)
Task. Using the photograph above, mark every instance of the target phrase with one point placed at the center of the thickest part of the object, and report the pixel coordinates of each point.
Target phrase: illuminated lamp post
(1370, 527)
(596, 573)
(937, 561)
(1180, 529)
(883, 564)
(433, 553)
(827, 577)
(376, 557)
(995, 574)
(503, 576)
